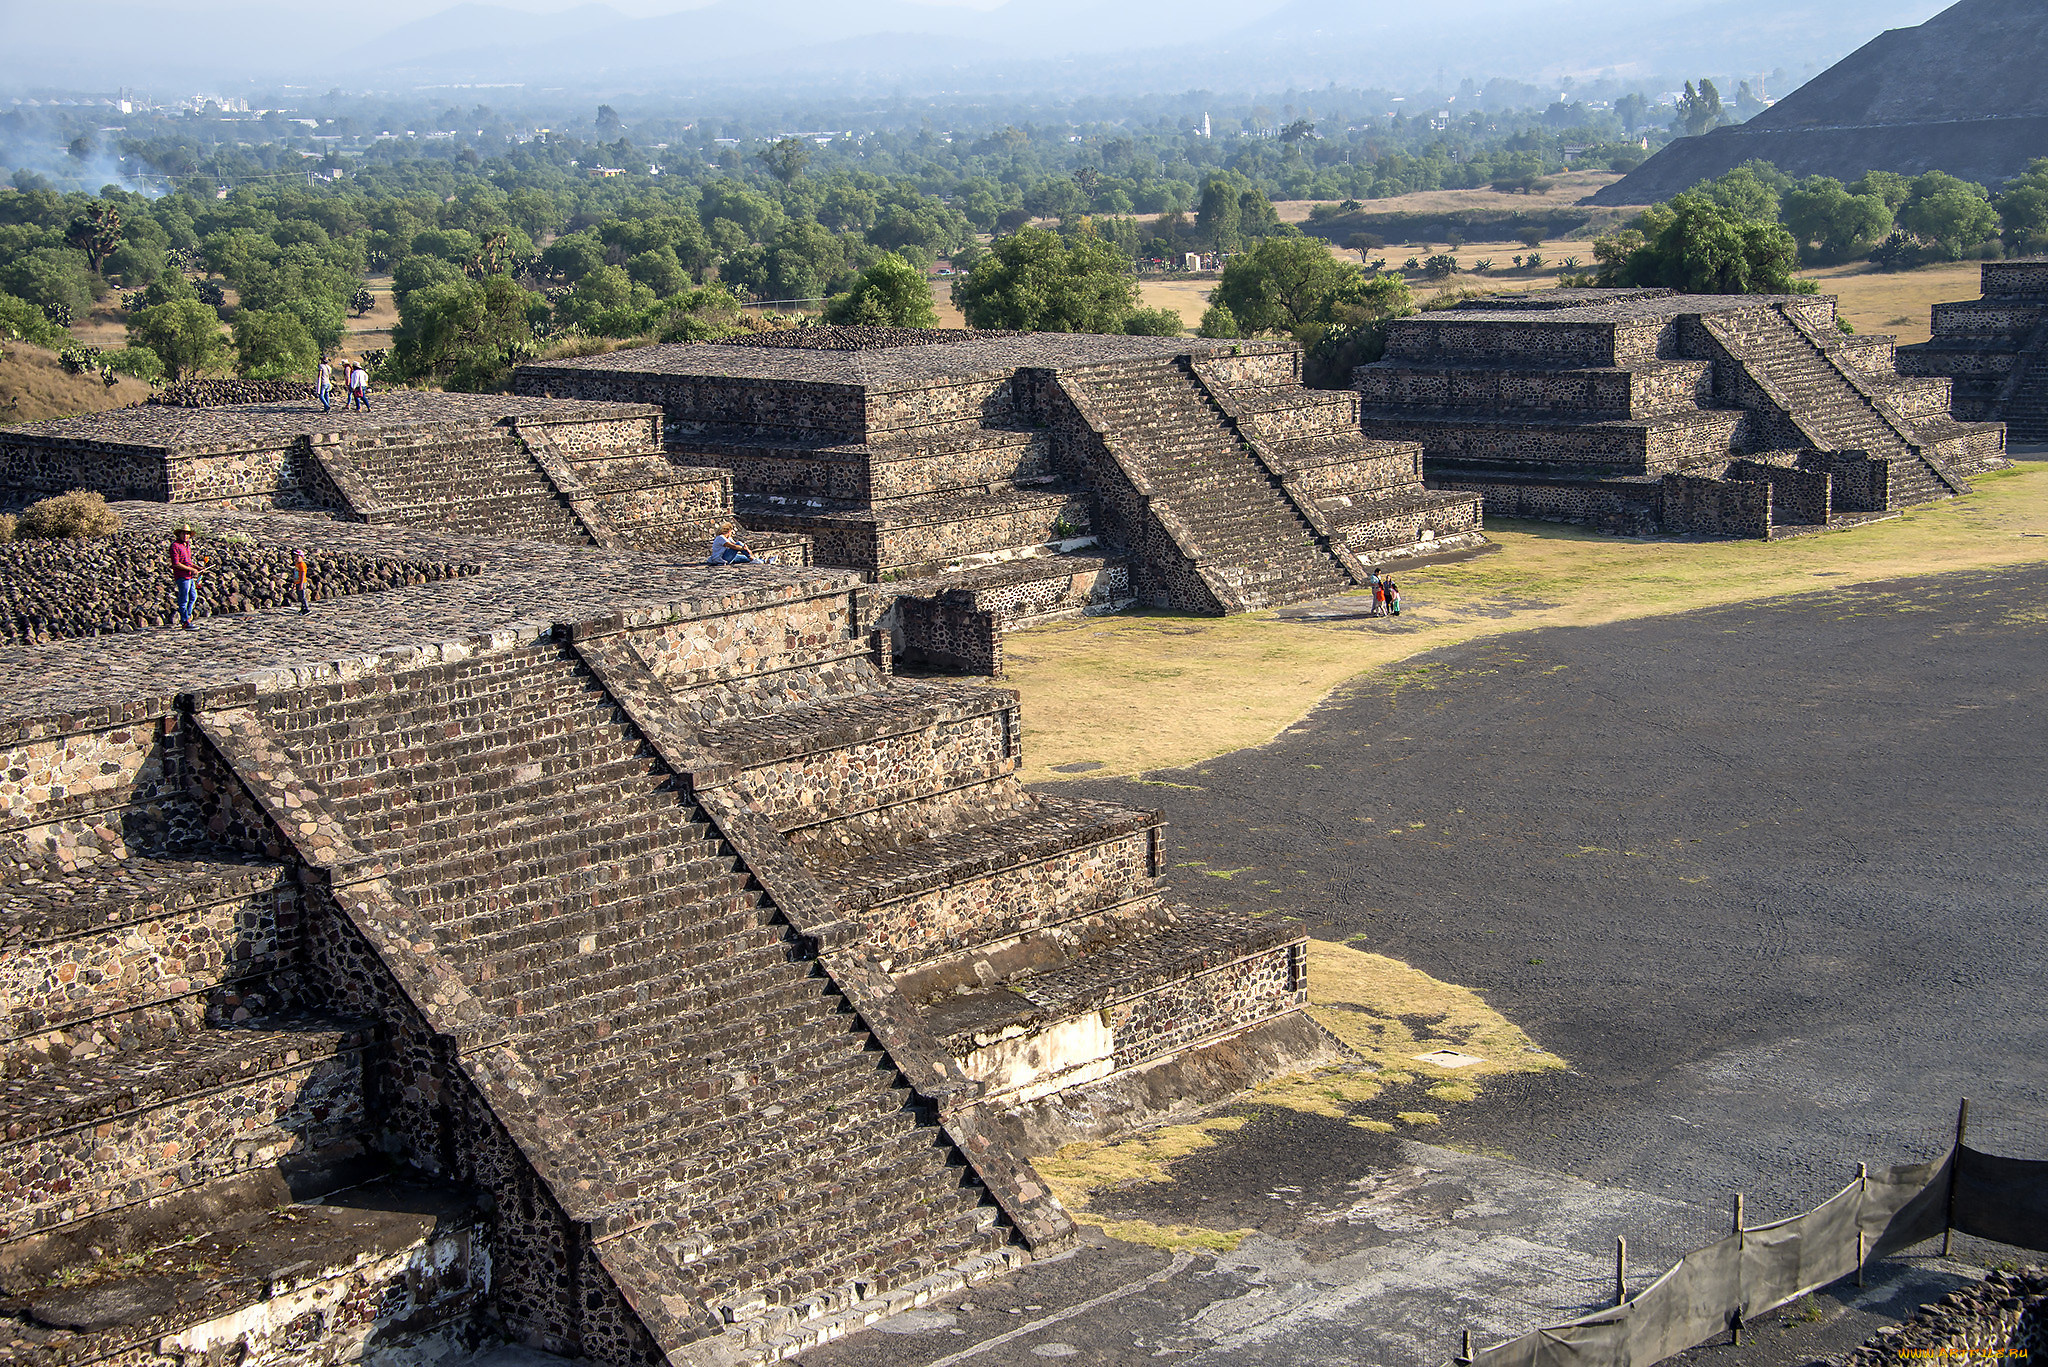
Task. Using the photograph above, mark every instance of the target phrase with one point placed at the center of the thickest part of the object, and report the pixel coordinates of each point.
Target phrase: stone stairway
(768, 1167)
(484, 482)
(1225, 512)
(2024, 395)
(1830, 410)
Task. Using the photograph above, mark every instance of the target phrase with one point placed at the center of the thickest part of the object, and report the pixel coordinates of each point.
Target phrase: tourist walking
(300, 581)
(358, 387)
(185, 567)
(326, 385)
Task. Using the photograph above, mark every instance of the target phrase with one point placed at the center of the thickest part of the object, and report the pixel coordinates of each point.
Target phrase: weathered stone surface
(1633, 410)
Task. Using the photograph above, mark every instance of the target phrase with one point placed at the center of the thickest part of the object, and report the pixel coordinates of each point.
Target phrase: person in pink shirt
(185, 567)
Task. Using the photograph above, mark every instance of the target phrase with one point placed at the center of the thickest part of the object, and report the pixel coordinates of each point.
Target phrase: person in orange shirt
(301, 584)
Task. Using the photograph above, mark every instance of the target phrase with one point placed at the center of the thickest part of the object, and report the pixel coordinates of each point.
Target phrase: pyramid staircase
(746, 1157)
(1203, 487)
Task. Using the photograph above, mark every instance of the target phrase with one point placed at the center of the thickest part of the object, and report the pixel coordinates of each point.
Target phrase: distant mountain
(1964, 92)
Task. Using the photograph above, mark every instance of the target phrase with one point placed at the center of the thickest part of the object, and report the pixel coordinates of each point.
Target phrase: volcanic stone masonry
(595, 950)
(579, 474)
(1645, 411)
(1994, 350)
(985, 480)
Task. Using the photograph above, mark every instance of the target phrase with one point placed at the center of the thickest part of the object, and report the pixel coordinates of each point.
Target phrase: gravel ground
(1769, 876)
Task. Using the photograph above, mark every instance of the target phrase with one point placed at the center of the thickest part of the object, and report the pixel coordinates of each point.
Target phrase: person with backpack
(358, 388)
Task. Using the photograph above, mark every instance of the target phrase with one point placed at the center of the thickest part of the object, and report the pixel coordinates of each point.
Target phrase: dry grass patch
(1895, 302)
(1078, 1171)
(1565, 190)
(1156, 690)
(33, 386)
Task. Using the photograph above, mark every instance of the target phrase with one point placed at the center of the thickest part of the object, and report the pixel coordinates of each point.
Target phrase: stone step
(457, 777)
(715, 1111)
(614, 1034)
(837, 757)
(764, 1240)
(535, 981)
(602, 914)
(371, 725)
(900, 1231)
(106, 1132)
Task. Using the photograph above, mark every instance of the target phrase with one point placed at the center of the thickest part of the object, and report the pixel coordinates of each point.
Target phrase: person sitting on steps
(728, 549)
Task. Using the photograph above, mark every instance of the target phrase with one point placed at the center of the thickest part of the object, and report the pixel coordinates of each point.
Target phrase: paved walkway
(519, 585)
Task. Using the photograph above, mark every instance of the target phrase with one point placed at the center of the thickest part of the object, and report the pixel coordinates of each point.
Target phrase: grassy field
(33, 387)
(1565, 190)
(1154, 690)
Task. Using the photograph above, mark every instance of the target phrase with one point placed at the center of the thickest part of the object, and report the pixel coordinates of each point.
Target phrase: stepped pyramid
(599, 951)
(485, 465)
(1994, 350)
(988, 480)
(1644, 410)
(1961, 93)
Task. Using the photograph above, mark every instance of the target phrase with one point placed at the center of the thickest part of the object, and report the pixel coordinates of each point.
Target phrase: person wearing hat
(185, 567)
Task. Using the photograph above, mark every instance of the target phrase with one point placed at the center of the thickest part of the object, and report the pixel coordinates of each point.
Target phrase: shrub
(1218, 321)
(79, 359)
(80, 513)
(1440, 267)
(1896, 252)
(1413, 263)
(1533, 261)
(23, 320)
(1153, 323)
(1482, 265)
(138, 361)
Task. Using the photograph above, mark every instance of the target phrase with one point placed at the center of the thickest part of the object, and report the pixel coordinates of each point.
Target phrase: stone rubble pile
(55, 590)
(2003, 1318)
(214, 391)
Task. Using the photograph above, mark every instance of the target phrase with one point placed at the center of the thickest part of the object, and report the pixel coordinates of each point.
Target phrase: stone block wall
(1715, 507)
(956, 401)
(1628, 507)
(1798, 497)
(2014, 279)
(795, 410)
(950, 632)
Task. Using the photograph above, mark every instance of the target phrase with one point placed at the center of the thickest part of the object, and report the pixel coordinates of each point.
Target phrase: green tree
(1033, 281)
(96, 232)
(890, 293)
(1220, 218)
(2023, 209)
(1218, 322)
(1889, 186)
(465, 334)
(1699, 110)
(22, 321)
(1822, 215)
(785, 158)
(1751, 191)
(1955, 215)
(270, 346)
(50, 277)
(1698, 246)
(1282, 284)
(184, 333)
